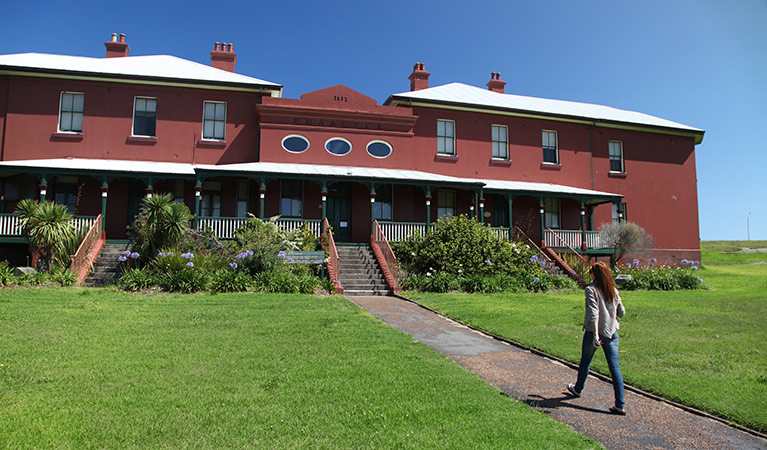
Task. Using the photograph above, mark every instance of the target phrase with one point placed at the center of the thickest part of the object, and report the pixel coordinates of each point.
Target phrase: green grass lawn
(729, 252)
(705, 348)
(103, 369)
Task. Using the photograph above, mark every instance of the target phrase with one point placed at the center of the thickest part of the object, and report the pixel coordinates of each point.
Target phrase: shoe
(618, 411)
(571, 390)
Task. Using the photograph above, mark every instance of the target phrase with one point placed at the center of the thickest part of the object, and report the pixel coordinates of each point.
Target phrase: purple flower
(488, 262)
(170, 253)
(126, 253)
(122, 258)
(542, 262)
(190, 264)
(700, 280)
(242, 255)
(134, 255)
(684, 261)
(290, 260)
(534, 258)
(537, 280)
(694, 267)
(282, 254)
(233, 265)
(161, 254)
(249, 252)
(696, 262)
(188, 255)
(636, 262)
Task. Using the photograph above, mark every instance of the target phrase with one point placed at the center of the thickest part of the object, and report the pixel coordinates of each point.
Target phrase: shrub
(64, 277)
(161, 223)
(257, 244)
(6, 274)
(185, 272)
(230, 280)
(285, 281)
(137, 279)
(626, 237)
(660, 278)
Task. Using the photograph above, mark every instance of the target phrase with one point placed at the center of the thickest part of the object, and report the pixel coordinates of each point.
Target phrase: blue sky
(698, 62)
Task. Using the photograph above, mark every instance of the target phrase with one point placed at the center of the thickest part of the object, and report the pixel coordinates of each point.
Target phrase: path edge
(598, 375)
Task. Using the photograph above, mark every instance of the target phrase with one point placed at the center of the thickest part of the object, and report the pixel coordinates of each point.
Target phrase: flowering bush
(661, 278)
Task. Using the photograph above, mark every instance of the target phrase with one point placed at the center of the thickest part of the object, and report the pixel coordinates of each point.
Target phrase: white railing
(399, 231)
(9, 224)
(224, 227)
(574, 239)
(501, 232)
(315, 226)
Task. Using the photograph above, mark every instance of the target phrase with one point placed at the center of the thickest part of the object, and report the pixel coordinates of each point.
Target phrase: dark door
(339, 217)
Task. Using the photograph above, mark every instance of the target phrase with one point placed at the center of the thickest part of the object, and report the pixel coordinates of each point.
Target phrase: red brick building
(98, 134)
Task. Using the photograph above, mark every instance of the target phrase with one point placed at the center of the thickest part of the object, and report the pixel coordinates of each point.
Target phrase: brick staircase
(564, 266)
(106, 270)
(360, 273)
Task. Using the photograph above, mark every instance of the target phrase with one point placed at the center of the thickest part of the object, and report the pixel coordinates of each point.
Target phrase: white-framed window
(553, 213)
(445, 204)
(242, 198)
(500, 137)
(291, 198)
(382, 208)
(338, 146)
(71, 109)
(616, 156)
(550, 149)
(211, 199)
(214, 120)
(295, 143)
(379, 149)
(144, 116)
(446, 137)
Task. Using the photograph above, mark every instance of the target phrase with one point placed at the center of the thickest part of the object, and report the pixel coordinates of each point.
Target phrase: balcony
(573, 239)
(9, 224)
(224, 227)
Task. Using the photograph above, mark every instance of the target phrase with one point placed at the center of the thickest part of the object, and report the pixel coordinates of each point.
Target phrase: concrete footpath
(541, 382)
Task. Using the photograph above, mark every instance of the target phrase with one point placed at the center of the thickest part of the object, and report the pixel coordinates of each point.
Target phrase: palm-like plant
(162, 223)
(47, 226)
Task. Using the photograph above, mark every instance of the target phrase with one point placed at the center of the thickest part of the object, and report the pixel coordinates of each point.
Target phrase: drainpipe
(591, 153)
(261, 199)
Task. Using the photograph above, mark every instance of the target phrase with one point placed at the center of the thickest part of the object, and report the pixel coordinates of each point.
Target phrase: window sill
(446, 158)
(64, 136)
(616, 174)
(500, 162)
(551, 166)
(150, 140)
(211, 143)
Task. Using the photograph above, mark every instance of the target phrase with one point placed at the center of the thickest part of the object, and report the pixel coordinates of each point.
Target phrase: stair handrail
(530, 242)
(387, 260)
(87, 251)
(334, 265)
(566, 244)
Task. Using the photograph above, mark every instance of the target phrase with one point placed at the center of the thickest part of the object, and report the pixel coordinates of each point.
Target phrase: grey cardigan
(604, 314)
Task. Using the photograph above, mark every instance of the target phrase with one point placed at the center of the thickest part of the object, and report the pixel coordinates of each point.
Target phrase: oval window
(338, 146)
(379, 149)
(295, 143)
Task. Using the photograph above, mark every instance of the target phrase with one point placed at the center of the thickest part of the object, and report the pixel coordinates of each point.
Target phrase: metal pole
(748, 226)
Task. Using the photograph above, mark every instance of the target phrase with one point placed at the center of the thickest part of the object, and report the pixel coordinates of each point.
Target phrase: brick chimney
(115, 48)
(496, 84)
(419, 79)
(223, 57)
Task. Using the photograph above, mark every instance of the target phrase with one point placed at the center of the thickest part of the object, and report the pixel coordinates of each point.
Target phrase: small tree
(161, 223)
(626, 237)
(47, 227)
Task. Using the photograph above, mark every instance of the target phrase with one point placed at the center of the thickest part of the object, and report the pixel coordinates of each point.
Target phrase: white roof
(104, 165)
(471, 95)
(154, 66)
(305, 170)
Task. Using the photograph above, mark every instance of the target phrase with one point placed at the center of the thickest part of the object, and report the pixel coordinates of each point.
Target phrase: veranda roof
(303, 171)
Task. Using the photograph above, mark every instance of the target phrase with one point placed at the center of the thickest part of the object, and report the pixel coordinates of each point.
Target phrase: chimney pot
(419, 79)
(496, 84)
(231, 47)
(218, 46)
(115, 48)
(223, 56)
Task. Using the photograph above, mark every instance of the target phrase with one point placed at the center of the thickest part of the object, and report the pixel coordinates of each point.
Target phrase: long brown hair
(603, 278)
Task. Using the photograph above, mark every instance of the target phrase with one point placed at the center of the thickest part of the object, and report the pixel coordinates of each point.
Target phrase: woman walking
(603, 308)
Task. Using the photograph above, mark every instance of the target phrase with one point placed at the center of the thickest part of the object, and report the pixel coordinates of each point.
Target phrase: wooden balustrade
(9, 224)
(87, 252)
(386, 257)
(334, 265)
(595, 240)
(224, 227)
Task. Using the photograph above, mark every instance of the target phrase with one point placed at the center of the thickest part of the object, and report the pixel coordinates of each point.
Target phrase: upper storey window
(446, 137)
(616, 156)
(144, 116)
(500, 136)
(295, 143)
(338, 146)
(214, 120)
(71, 112)
(550, 149)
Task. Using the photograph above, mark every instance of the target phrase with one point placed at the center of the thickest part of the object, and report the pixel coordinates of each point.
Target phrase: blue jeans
(610, 346)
